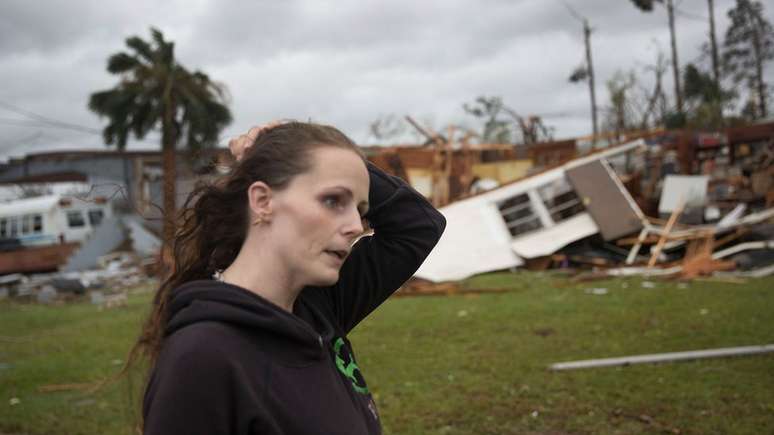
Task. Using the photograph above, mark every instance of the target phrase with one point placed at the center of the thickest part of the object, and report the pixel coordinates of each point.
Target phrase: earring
(258, 220)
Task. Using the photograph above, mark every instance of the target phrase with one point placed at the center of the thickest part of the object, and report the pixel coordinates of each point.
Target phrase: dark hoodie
(235, 363)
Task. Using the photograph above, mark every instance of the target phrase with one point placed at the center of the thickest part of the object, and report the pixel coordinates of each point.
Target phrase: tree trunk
(129, 193)
(168, 165)
(651, 102)
(590, 69)
(715, 61)
(675, 63)
(169, 140)
(761, 86)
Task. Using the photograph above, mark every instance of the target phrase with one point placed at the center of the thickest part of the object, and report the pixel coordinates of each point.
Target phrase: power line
(40, 121)
(573, 12)
(691, 15)
(48, 121)
(40, 124)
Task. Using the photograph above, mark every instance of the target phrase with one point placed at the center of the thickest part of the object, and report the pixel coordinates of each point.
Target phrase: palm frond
(141, 47)
(121, 63)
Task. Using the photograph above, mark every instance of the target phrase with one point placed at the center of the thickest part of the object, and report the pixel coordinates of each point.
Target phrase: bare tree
(387, 128)
(490, 111)
(657, 98)
(647, 6)
(622, 112)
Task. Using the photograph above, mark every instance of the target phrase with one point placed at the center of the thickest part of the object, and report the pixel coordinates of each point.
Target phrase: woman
(249, 333)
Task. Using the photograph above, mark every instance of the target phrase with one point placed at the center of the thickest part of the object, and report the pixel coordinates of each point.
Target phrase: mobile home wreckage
(594, 212)
(663, 202)
(534, 217)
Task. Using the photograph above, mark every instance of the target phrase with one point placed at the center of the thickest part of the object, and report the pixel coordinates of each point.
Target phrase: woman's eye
(332, 201)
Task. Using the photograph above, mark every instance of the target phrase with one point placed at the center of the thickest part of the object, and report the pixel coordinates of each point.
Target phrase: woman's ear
(259, 195)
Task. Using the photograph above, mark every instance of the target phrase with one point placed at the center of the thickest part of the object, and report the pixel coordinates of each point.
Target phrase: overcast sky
(344, 62)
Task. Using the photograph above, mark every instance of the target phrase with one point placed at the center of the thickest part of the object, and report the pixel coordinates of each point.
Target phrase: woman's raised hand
(240, 144)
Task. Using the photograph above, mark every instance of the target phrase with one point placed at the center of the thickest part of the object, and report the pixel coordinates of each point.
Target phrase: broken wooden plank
(667, 229)
(664, 357)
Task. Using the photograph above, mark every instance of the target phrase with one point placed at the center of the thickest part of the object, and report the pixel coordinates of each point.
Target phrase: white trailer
(51, 219)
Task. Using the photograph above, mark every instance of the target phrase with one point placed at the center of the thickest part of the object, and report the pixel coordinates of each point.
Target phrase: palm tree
(155, 91)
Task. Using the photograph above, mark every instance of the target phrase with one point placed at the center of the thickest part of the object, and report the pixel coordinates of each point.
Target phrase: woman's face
(318, 216)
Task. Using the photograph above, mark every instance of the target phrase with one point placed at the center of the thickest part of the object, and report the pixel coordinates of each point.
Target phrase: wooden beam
(660, 245)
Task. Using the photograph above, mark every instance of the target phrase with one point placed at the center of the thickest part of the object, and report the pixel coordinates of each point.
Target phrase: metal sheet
(606, 200)
(689, 189)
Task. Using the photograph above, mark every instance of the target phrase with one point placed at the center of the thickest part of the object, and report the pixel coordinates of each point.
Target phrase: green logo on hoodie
(346, 364)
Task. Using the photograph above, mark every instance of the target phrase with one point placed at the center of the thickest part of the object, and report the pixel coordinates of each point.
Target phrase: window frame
(519, 215)
(70, 214)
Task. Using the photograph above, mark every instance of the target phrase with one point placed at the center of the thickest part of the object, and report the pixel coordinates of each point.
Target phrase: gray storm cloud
(344, 62)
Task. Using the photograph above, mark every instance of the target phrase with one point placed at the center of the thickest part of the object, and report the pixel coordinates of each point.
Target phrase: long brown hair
(214, 220)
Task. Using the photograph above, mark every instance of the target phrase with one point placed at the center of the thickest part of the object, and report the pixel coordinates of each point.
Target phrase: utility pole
(713, 42)
(590, 70)
(715, 61)
(675, 63)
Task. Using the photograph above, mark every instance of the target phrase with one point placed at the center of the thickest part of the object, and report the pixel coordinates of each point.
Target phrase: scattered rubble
(664, 203)
(669, 204)
(105, 287)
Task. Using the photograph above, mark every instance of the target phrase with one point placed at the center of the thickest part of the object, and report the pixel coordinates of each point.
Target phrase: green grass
(469, 364)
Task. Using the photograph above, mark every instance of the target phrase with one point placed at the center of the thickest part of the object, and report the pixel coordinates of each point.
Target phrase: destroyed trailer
(580, 214)
(39, 234)
(533, 217)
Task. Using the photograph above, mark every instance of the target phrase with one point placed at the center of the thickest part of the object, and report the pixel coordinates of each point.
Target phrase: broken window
(518, 214)
(560, 200)
(75, 219)
(95, 217)
(37, 223)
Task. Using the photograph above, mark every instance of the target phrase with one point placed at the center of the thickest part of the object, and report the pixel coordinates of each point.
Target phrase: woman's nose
(353, 227)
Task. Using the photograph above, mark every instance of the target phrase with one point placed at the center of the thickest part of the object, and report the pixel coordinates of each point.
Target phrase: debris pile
(107, 286)
(670, 204)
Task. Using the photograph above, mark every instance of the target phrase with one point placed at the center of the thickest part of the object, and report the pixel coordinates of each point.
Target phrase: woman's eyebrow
(341, 189)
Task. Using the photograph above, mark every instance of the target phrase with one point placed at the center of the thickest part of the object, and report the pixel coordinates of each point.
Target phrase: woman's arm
(406, 228)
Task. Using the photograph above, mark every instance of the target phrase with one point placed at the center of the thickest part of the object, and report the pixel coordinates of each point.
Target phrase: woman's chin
(329, 277)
